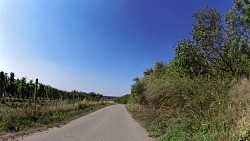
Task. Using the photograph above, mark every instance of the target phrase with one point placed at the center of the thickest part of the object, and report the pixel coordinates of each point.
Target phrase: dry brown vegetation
(22, 119)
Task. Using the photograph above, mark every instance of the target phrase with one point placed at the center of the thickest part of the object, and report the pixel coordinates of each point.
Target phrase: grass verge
(19, 121)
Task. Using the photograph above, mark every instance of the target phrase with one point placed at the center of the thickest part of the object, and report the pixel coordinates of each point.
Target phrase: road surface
(112, 123)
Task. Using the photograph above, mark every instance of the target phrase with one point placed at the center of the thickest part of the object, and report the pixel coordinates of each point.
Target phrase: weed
(25, 118)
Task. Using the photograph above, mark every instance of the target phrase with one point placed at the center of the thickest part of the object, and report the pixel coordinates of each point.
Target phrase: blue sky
(93, 45)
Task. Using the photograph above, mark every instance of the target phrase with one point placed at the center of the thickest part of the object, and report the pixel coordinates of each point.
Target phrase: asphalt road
(112, 123)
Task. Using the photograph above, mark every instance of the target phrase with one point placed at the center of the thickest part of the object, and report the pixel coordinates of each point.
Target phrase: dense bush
(201, 87)
(123, 99)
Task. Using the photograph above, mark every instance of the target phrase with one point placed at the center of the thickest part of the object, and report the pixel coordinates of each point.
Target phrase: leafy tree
(237, 50)
(137, 91)
(123, 99)
(243, 7)
(188, 60)
(159, 69)
(148, 71)
(94, 96)
(216, 47)
(209, 40)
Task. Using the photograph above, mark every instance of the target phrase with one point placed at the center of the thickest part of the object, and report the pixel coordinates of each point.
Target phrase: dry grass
(239, 108)
(25, 118)
(148, 116)
(227, 116)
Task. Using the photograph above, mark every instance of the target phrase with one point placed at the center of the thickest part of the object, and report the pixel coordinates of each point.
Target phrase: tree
(208, 36)
(137, 91)
(243, 7)
(159, 69)
(188, 60)
(237, 50)
(148, 71)
(217, 46)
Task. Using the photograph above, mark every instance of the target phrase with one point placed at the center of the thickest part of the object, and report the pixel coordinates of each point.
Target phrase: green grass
(22, 119)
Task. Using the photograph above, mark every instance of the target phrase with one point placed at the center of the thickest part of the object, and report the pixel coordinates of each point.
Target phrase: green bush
(201, 86)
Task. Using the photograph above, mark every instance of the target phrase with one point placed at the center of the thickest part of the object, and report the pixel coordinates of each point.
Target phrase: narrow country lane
(112, 123)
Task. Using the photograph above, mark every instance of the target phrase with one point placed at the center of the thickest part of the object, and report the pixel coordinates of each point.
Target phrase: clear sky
(93, 45)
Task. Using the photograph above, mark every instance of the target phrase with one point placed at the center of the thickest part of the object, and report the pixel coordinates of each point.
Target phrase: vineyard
(30, 105)
(19, 91)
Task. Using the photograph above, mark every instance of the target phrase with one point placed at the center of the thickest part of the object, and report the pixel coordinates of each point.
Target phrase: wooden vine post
(35, 92)
(74, 98)
(1, 86)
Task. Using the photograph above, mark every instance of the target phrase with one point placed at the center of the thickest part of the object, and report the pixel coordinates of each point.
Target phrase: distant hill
(114, 97)
(110, 97)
